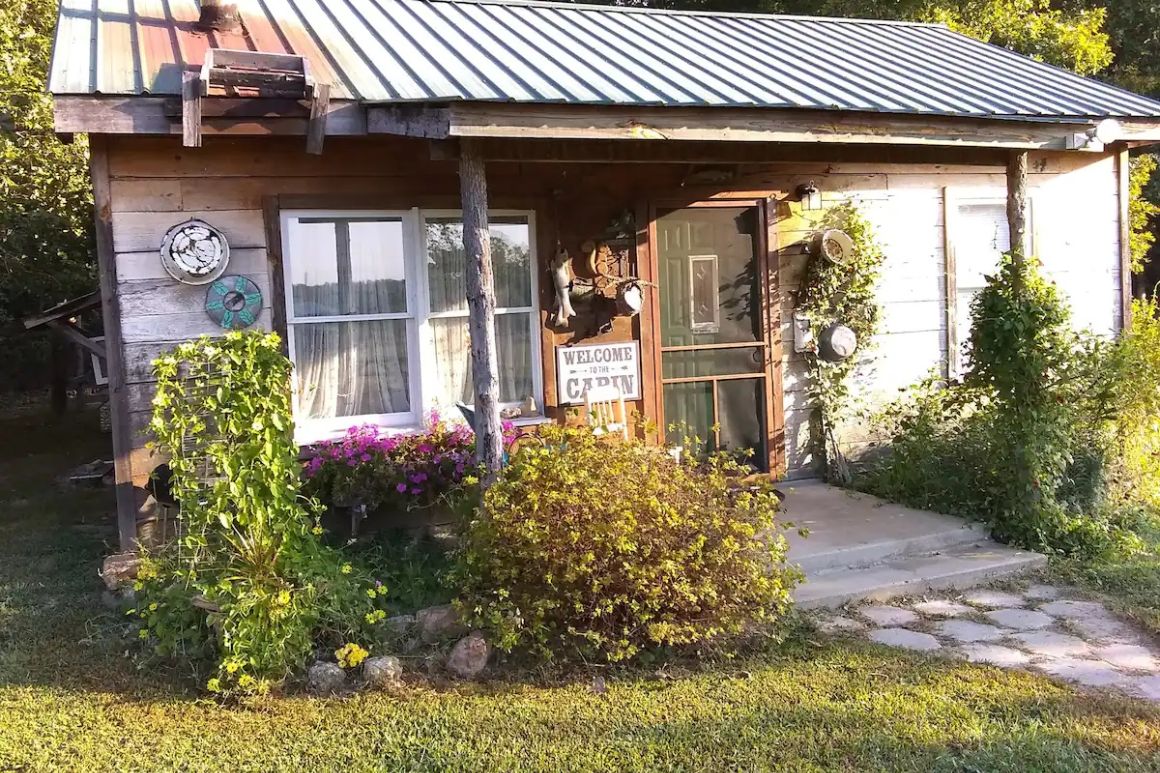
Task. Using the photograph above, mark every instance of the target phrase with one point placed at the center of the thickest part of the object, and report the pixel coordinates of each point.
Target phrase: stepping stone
(1128, 656)
(994, 598)
(1051, 644)
(967, 631)
(839, 624)
(1075, 609)
(1147, 687)
(1091, 673)
(941, 608)
(1004, 657)
(1044, 592)
(885, 615)
(910, 640)
(1020, 619)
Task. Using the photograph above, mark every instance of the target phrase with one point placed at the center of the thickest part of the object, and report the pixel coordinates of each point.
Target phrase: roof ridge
(580, 6)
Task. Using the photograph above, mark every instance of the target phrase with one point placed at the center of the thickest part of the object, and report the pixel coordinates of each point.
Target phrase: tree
(46, 244)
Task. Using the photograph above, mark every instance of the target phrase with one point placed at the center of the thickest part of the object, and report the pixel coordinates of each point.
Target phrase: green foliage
(606, 549)
(845, 294)
(1036, 440)
(46, 244)
(1141, 210)
(249, 550)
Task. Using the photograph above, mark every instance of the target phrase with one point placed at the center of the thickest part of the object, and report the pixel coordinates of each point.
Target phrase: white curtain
(352, 368)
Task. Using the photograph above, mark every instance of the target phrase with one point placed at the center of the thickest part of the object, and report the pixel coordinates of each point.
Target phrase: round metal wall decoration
(836, 343)
(194, 252)
(835, 246)
(234, 302)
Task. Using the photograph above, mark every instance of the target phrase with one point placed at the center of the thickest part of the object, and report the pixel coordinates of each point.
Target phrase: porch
(862, 548)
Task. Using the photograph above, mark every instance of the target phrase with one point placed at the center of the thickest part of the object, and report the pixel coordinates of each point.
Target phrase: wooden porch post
(1017, 204)
(481, 309)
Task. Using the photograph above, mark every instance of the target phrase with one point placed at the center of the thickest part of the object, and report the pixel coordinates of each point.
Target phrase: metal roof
(559, 53)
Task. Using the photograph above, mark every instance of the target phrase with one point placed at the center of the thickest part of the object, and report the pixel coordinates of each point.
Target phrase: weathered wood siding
(156, 183)
(1075, 233)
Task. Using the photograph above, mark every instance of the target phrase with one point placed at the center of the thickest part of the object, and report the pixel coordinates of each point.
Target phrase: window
(376, 312)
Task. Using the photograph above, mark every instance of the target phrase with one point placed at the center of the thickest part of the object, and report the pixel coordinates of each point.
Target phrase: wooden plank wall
(156, 183)
(1075, 225)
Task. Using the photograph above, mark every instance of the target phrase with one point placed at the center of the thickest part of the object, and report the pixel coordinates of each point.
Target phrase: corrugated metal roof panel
(531, 52)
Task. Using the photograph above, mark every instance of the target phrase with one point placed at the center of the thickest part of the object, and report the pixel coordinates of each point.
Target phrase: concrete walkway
(860, 547)
(1043, 627)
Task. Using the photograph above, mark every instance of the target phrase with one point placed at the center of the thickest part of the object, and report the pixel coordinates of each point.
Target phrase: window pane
(447, 266)
(453, 359)
(346, 267)
(351, 368)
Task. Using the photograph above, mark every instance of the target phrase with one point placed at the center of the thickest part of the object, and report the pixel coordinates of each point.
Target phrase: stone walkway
(1041, 628)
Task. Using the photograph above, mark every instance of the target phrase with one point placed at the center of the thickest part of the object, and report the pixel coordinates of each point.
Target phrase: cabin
(652, 183)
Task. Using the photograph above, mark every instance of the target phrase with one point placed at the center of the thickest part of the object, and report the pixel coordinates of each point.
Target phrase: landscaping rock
(439, 623)
(120, 569)
(993, 599)
(995, 655)
(883, 614)
(941, 608)
(325, 678)
(399, 625)
(1051, 645)
(1091, 620)
(911, 640)
(966, 631)
(469, 656)
(382, 671)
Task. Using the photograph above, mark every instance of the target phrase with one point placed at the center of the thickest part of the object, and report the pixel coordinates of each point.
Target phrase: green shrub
(248, 584)
(590, 547)
(1033, 439)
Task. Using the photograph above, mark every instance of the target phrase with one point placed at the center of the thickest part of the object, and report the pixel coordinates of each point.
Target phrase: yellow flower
(347, 569)
(284, 598)
(245, 680)
(153, 607)
(316, 531)
(350, 655)
(214, 685)
(143, 633)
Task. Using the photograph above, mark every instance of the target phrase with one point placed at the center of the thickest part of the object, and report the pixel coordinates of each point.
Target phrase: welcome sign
(580, 368)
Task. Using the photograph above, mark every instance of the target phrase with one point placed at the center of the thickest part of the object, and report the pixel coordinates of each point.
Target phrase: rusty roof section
(558, 53)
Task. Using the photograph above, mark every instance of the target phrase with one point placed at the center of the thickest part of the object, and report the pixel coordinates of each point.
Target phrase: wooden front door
(712, 330)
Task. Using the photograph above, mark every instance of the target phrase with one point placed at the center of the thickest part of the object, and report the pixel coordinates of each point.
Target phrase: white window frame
(422, 369)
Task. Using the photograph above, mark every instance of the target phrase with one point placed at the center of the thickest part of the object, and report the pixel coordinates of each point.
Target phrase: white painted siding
(1075, 234)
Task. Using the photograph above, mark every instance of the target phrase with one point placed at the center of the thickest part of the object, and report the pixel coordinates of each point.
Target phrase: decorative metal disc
(234, 302)
(194, 252)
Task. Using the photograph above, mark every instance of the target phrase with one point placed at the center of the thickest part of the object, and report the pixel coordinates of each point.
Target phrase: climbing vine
(842, 293)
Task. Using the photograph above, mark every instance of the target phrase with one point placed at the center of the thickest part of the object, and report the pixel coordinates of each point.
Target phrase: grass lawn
(71, 698)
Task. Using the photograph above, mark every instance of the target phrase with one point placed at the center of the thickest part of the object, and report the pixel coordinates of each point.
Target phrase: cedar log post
(1017, 205)
(481, 309)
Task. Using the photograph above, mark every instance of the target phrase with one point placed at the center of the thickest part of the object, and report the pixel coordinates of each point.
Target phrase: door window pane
(710, 288)
(351, 368)
(340, 267)
(713, 362)
(737, 401)
(447, 265)
(689, 413)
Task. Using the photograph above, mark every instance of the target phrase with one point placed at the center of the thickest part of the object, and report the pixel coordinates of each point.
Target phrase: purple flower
(401, 488)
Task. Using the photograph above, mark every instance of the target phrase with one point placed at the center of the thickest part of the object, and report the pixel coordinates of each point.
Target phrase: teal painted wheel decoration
(233, 302)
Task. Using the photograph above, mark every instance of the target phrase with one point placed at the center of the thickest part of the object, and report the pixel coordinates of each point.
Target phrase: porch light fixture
(809, 196)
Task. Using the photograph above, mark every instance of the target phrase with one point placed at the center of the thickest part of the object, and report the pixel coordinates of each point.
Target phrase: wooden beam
(316, 127)
(191, 109)
(153, 115)
(115, 367)
(950, 281)
(77, 336)
(1123, 176)
(409, 121)
(481, 310)
(1017, 204)
(750, 125)
(704, 152)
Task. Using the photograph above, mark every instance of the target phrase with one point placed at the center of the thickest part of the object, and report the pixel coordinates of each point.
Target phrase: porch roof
(535, 53)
